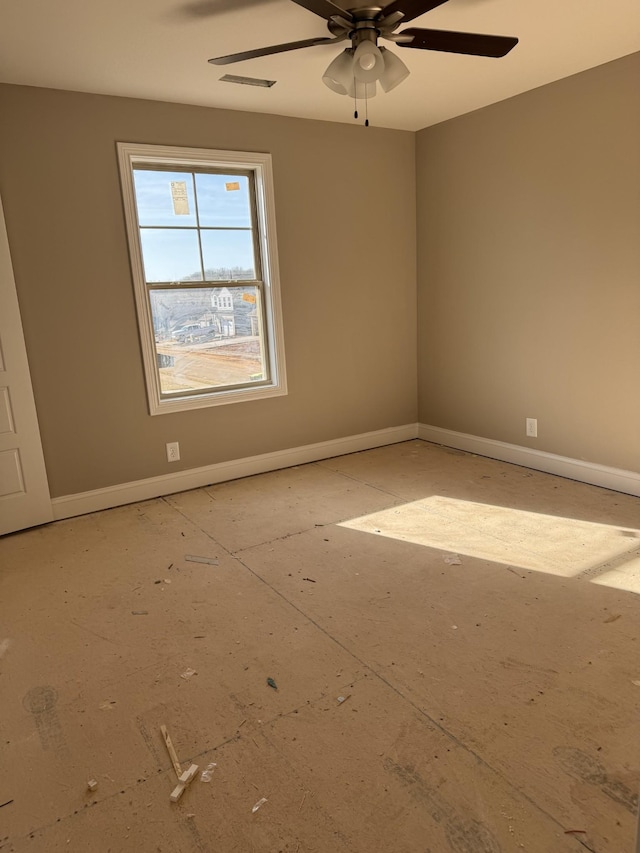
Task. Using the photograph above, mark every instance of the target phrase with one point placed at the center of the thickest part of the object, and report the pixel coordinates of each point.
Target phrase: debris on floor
(342, 699)
(311, 580)
(453, 560)
(188, 673)
(171, 750)
(613, 618)
(206, 774)
(92, 785)
(184, 780)
(259, 804)
(212, 561)
(272, 683)
(8, 803)
(139, 612)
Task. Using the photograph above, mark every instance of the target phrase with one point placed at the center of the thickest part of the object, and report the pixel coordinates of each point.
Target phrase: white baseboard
(167, 484)
(616, 479)
(573, 469)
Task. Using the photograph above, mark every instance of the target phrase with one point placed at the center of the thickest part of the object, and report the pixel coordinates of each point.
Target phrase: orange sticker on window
(232, 185)
(249, 297)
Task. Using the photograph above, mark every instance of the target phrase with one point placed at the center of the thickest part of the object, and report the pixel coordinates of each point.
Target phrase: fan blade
(410, 8)
(324, 8)
(266, 51)
(473, 44)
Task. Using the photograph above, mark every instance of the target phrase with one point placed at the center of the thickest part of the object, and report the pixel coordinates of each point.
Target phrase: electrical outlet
(532, 427)
(173, 451)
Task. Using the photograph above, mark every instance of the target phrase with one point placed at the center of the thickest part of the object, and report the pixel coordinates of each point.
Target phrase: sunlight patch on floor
(566, 547)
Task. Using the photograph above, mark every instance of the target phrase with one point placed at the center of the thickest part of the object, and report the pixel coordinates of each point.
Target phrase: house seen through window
(202, 243)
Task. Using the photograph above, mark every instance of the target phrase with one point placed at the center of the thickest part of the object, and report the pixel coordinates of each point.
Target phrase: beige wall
(528, 216)
(345, 207)
(529, 268)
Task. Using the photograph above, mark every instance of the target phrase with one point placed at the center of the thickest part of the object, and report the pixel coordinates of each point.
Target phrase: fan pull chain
(355, 104)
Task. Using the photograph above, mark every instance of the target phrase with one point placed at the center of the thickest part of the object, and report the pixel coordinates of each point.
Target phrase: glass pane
(170, 254)
(208, 338)
(228, 255)
(223, 200)
(165, 198)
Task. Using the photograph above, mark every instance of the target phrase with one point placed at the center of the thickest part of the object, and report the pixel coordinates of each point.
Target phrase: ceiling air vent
(247, 81)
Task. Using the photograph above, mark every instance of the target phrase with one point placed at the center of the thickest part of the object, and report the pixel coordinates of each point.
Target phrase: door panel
(24, 490)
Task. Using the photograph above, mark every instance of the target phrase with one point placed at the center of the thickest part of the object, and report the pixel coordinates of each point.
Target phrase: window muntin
(202, 243)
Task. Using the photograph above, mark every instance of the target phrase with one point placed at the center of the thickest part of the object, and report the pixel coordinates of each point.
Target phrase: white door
(24, 491)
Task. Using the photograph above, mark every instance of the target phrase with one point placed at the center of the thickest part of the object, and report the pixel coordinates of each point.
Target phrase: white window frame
(130, 156)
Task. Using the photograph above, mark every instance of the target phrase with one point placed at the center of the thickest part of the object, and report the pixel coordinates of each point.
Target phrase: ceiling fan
(356, 70)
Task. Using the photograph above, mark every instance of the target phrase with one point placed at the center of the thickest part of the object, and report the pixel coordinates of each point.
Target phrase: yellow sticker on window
(249, 297)
(232, 185)
(179, 197)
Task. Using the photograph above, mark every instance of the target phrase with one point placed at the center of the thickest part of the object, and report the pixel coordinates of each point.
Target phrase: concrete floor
(481, 620)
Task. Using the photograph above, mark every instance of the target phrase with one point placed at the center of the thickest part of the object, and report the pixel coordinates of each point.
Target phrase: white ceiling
(158, 49)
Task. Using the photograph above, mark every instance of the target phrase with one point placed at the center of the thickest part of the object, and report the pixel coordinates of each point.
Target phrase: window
(201, 228)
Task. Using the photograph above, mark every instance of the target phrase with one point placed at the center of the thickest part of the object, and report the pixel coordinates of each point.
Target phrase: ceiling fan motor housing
(364, 26)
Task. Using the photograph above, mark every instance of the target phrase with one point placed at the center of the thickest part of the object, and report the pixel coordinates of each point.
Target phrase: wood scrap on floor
(184, 780)
(171, 751)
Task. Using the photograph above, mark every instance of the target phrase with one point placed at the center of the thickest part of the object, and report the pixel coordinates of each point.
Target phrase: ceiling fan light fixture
(339, 74)
(368, 64)
(362, 91)
(395, 71)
